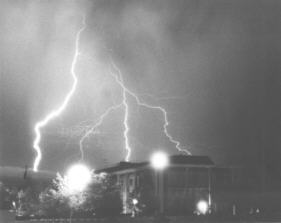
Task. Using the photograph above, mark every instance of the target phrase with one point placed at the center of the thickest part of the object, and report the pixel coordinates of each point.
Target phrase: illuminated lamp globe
(159, 160)
(78, 177)
(135, 201)
(202, 207)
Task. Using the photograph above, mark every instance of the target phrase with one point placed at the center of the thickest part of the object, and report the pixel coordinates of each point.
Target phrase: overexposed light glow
(135, 201)
(202, 207)
(77, 178)
(159, 160)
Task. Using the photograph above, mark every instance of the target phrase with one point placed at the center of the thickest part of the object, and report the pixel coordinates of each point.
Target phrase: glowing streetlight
(135, 201)
(159, 160)
(202, 207)
(78, 177)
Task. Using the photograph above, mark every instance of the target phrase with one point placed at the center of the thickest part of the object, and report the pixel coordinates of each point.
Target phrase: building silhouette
(188, 181)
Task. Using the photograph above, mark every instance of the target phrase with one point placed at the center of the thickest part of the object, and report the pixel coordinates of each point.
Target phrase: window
(131, 182)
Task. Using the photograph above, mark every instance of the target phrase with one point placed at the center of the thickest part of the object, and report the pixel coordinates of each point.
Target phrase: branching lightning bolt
(56, 112)
(95, 126)
(126, 91)
(100, 120)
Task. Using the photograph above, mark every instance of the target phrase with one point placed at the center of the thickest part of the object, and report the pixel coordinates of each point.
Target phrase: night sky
(213, 65)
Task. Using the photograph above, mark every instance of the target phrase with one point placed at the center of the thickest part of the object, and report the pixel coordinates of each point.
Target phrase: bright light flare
(202, 207)
(78, 177)
(135, 201)
(159, 160)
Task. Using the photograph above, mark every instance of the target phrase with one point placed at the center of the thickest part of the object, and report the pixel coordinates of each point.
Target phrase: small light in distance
(202, 207)
(78, 177)
(159, 160)
(135, 201)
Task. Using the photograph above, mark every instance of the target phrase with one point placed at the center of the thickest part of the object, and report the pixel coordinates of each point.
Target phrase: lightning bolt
(118, 78)
(126, 125)
(56, 112)
(95, 126)
(124, 103)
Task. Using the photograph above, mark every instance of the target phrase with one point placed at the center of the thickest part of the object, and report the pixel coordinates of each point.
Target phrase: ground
(8, 217)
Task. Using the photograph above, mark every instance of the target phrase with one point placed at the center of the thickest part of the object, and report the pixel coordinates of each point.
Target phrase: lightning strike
(94, 127)
(56, 112)
(124, 103)
(118, 78)
(125, 123)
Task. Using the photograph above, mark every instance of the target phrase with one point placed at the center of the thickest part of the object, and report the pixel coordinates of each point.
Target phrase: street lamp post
(159, 161)
(77, 179)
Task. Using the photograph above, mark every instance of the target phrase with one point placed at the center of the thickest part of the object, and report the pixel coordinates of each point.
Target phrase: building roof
(121, 166)
(191, 160)
(174, 160)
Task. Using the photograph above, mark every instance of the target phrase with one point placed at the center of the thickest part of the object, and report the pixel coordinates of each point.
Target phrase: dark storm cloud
(214, 65)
